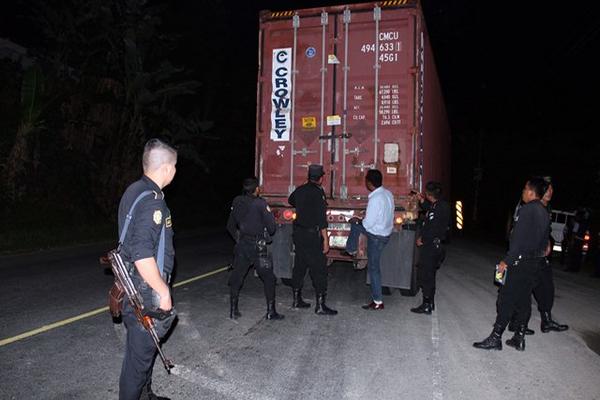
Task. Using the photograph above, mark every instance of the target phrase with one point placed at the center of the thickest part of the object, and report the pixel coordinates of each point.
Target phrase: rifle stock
(135, 300)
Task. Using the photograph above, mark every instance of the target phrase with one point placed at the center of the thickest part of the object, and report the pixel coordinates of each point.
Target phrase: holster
(264, 258)
(116, 294)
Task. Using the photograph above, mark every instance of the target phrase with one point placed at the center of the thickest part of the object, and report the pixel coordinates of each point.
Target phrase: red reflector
(288, 214)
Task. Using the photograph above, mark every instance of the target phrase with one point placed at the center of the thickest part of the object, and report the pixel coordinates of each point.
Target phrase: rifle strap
(160, 256)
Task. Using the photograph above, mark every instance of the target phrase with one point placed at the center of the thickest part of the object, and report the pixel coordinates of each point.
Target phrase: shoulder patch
(157, 217)
(268, 208)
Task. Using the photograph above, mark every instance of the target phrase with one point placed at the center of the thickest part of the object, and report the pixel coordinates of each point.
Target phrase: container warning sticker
(333, 120)
(392, 170)
(309, 122)
(281, 93)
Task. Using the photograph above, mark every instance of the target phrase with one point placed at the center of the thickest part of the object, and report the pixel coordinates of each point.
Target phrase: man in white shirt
(377, 226)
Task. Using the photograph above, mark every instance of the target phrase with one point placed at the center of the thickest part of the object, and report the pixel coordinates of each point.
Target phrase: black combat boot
(234, 313)
(425, 308)
(321, 308)
(492, 342)
(298, 301)
(272, 314)
(548, 324)
(518, 339)
(511, 328)
(148, 394)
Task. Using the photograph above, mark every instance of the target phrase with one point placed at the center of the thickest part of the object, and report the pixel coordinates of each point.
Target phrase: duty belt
(532, 254)
(251, 237)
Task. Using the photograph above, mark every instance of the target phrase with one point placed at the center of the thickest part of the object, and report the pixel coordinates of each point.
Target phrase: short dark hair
(156, 153)
(434, 189)
(538, 185)
(374, 177)
(249, 185)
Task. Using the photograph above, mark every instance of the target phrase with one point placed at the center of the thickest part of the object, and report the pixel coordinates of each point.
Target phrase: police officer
(310, 240)
(543, 291)
(433, 233)
(251, 224)
(522, 264)
(139, 251)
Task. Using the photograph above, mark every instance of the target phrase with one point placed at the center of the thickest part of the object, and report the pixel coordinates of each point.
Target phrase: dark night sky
(519, 78)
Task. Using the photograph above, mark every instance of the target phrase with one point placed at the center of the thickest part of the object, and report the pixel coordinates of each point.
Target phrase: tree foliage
(103, 84)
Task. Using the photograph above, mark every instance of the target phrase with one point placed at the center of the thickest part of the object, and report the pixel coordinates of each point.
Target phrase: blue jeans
(375, 246)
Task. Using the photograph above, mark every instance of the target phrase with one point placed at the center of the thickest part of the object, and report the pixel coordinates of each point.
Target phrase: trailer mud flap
(397, 261)
(282, 251)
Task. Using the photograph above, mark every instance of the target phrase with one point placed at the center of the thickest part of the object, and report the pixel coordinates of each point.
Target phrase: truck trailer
(351, 87)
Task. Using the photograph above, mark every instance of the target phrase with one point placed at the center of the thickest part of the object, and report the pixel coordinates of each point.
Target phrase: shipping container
(352, 88)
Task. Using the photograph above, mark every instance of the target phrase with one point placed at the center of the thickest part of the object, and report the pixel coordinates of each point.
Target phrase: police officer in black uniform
(432, 234)
(522, 264)
(310, 240)
(139, 251)
(251, 224)
(543, 291)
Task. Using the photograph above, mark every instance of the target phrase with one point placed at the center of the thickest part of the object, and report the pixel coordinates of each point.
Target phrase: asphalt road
(390, 354)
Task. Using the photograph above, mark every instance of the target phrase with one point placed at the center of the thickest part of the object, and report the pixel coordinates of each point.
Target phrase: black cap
(315, 171)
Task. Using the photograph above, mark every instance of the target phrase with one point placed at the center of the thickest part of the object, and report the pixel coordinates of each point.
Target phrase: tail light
(586, 242)
(399, 220)
(289, 215)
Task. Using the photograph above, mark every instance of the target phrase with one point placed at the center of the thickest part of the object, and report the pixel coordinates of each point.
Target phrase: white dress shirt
(380, 212)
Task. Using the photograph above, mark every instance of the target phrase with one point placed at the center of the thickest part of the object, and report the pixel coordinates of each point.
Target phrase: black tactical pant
(249, 252)
(140, 350)
(543, 291)
(430, 259)
(515, 296)
(308, 244)
(140, 353)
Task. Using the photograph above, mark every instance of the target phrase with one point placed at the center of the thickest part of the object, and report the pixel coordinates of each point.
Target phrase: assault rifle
(124, 283)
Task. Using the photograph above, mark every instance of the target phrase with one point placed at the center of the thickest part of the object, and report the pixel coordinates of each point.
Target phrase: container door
(376, 92)
(293, 106)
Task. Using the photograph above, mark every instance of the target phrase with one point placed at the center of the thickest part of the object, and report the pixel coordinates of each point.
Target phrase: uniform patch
(168, 222)
(268, 209)
(157, 217)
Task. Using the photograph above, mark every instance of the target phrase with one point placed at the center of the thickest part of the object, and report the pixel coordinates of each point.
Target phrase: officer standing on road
(543, 291)
(433, 233)
(310, 240)
(251, 224)
(522, 264)
(140, 251)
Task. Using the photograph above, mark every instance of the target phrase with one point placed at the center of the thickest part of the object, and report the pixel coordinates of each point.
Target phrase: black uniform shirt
(149, 216)
(436, 222)
(529, 236)
(311, 206)
(251, 216)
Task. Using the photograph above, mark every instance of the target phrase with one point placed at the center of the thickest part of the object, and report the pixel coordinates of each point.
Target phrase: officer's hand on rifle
(419, 242)
(165, 301)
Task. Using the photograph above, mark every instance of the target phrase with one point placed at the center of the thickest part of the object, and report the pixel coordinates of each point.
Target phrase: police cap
(315, 171)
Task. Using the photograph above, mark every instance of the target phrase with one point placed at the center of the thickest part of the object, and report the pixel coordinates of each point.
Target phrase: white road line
(435, 358)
